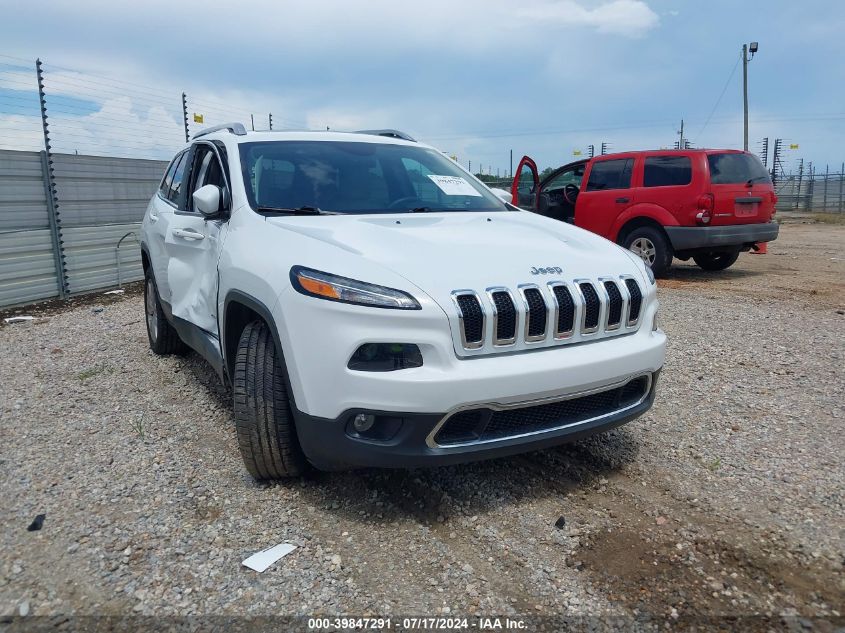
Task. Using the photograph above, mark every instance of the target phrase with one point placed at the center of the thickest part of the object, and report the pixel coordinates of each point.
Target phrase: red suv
(707, 204)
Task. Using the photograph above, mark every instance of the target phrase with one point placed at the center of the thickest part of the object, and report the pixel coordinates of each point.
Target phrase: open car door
(525, 185)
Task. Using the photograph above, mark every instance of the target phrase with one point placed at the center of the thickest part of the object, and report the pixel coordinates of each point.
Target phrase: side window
(178, 175)
(207, 171)
(569, 177)
(525, 188)
(667, 171)
(610, 174)
(168, 176)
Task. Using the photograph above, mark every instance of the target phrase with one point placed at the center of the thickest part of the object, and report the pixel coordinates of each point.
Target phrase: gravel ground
(726, 499)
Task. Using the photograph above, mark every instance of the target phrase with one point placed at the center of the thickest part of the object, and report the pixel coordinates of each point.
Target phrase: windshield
(350, 177)
(735, 168)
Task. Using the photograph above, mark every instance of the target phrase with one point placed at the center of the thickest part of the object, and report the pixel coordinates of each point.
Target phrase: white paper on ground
(263, 559)
(114, 292)
(454, 186)
(19, 319)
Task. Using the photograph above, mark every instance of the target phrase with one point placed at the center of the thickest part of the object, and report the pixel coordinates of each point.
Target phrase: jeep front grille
(557, 312)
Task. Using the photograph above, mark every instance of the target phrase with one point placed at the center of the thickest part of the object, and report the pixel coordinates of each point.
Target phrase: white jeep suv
(373, 304)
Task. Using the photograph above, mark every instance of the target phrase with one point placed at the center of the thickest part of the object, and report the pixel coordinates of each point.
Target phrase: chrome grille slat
(536, 313)
(614, 305)
(471, 317)
(564, 311)
(635, 301)
(504, 316)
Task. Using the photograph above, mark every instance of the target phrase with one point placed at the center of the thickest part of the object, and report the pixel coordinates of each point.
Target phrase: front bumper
(331, 445)
(686, 238)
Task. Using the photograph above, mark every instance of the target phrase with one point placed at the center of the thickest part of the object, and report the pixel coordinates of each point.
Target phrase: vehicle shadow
(434, 495)
(694, 274)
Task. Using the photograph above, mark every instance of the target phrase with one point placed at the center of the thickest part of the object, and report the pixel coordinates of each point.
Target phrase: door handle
(622, 200)
(153, 217)
(188, 234)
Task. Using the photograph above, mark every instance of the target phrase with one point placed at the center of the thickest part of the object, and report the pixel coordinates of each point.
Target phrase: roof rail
(389, 133)
(234, 128)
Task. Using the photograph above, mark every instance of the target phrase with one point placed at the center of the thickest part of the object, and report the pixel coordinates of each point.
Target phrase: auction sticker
(454, 186)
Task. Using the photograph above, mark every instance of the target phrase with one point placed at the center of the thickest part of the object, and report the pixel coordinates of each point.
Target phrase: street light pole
(745, 96)
(745, 49)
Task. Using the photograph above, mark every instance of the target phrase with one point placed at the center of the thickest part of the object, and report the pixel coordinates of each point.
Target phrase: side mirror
(208, 200)
(501, 193)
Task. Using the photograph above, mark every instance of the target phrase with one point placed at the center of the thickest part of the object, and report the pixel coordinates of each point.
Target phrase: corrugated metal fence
(98, 201)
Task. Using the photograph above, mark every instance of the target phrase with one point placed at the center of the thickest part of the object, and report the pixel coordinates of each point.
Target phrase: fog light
(363, 422)
(385, 357)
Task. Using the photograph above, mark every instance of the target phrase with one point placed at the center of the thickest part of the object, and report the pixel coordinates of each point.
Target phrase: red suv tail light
(706, 203)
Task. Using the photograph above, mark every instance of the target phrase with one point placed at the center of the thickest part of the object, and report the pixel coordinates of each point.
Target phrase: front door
(607, 194)
(193, 244)
(525, 185)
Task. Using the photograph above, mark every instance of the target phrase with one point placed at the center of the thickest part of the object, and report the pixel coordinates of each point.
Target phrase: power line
(719, 100)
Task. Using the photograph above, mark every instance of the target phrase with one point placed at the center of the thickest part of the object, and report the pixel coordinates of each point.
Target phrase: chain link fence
(813, 191)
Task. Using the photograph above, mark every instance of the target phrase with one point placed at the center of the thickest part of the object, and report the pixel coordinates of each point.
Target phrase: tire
(162, 336)
(716, 261)
(652, 246)
(265, 426)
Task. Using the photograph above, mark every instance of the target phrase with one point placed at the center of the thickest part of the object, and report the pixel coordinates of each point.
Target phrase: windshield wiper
(750, 181)
(304, 210)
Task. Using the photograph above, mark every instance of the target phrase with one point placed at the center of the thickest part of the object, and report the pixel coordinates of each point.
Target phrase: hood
(442, 252)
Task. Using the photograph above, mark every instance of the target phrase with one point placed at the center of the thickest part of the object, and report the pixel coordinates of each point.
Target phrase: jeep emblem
(547, 271)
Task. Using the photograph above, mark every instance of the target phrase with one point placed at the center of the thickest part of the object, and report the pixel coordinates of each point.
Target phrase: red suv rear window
(729, 169)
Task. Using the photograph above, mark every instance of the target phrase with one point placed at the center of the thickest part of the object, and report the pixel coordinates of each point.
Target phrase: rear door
(526, 184)
(741, 187)
(607, 194)
(669, 181)
(157, 226)
(193, 242)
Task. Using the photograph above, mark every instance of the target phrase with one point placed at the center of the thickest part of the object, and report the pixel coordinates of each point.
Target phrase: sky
(478, 79)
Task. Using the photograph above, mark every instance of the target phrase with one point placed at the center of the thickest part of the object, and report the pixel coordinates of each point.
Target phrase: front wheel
(651, 245)
(716, 261)
(266, 431)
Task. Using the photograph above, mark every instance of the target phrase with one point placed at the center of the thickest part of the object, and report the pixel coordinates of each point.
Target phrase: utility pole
(765, 151)
(511, 163)
(271, 121)
(745, 48)
(745, 96)
(681, 140)
(591, 150)
(603, 148)
(252, 121)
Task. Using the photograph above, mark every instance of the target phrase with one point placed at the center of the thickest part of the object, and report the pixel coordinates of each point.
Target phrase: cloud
(631, 18)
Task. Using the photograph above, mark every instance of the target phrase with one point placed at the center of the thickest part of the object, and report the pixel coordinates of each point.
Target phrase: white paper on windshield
(454, 186)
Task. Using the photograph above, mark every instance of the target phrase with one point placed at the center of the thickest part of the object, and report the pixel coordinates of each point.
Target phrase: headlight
(315, 283)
